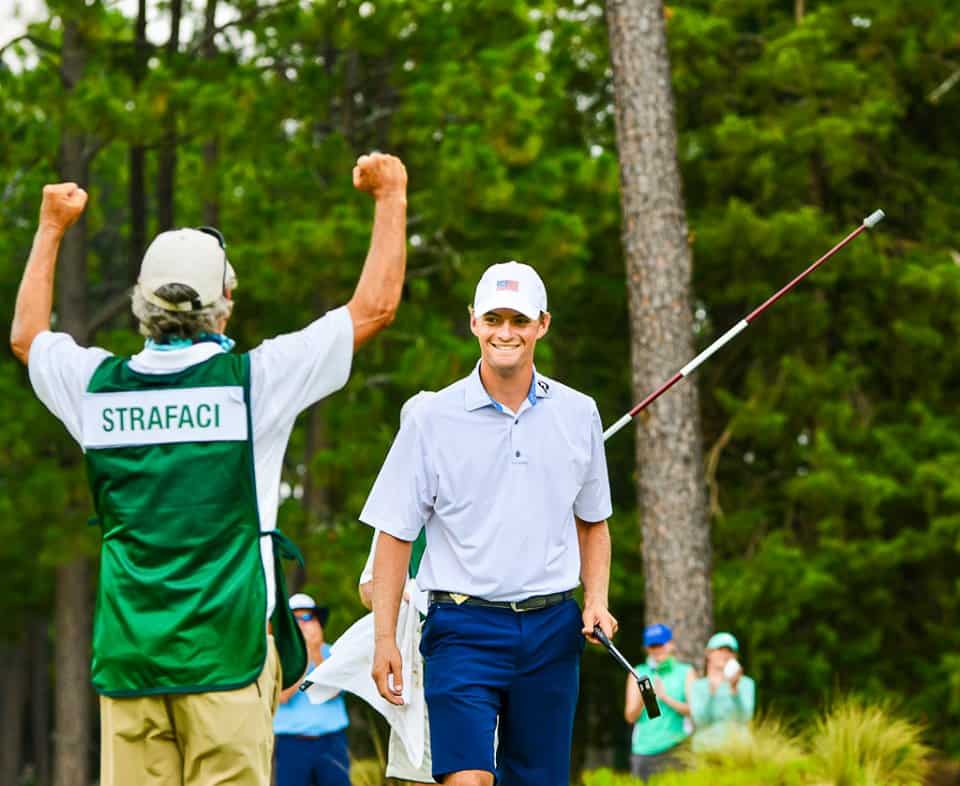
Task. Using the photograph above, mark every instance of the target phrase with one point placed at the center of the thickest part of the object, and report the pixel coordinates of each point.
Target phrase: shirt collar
(476, 396)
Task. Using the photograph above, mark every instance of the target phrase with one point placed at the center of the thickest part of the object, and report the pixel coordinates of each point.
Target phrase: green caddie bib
(181, 601)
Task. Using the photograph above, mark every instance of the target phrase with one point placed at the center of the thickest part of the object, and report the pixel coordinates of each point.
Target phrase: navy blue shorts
(523, 668)
(318, 761)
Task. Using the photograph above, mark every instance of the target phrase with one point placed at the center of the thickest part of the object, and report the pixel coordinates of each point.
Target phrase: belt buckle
(539, 602)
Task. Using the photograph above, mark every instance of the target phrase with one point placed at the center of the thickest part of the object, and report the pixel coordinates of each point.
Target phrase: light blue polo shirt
(497, 491)
(300, 716)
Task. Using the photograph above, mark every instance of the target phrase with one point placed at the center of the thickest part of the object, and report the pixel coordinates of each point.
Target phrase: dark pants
(643, 767)
(312, 761)
(485, 664)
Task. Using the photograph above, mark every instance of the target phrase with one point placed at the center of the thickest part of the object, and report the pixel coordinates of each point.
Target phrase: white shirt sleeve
(291, 372)
(60, 372)
(593, 502)
(403, 494)
(367, 572)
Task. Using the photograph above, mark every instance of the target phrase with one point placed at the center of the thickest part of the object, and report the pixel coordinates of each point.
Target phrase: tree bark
(39, 649)
(671, 485)
(167, 165)
(73, 710)
(72, 738)
(14, 695)
(137, 196)
(211, 148)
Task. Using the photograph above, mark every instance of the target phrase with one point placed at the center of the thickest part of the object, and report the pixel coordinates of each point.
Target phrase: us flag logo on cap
(509, 286)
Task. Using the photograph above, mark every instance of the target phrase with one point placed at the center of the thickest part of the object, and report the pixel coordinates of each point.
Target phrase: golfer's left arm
(61, 207)
(591, 509)
(594, 539)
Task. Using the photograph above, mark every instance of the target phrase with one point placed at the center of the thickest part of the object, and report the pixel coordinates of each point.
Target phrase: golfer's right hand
(62, 205)
(380, 175)
(388, 671)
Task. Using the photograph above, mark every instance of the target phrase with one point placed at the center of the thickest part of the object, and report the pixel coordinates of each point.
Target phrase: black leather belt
(527, 604)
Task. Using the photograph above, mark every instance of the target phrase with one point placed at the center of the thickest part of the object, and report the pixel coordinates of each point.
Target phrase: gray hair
(157, 323)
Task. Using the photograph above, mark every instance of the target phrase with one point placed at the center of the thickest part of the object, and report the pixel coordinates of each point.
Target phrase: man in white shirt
(506, 472)
(184, 445)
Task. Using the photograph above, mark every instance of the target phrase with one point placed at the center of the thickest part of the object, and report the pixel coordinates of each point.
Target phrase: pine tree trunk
(14, 682)
(73, 707)
(167, 165)
(211, 148)
(137, 195)
(40, 699)
(671, 487)
(73, 737)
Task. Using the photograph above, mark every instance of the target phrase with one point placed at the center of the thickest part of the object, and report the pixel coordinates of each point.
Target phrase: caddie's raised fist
(380, 175)
(62, 205)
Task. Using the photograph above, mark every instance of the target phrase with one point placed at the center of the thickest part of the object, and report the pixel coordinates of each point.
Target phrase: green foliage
(862, 744)
(831, 424)
(770, 743)
(763, 775)
(855, 743)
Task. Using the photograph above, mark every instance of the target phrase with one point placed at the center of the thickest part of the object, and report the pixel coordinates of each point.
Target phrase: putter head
(649, 696)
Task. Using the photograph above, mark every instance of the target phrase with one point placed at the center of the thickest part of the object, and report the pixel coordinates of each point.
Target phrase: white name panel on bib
(158, 417)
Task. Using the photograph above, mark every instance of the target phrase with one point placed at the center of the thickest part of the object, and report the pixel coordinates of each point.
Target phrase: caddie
(505, 470)
(183, 444)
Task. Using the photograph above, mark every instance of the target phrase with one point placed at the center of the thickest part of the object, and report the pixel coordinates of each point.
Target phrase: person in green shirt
(654, 743)
(722, 703)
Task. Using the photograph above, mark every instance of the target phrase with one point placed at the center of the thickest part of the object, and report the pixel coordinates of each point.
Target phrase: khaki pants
(192, 739)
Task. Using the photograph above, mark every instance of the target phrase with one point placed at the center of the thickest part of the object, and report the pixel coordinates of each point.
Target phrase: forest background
(831, 436)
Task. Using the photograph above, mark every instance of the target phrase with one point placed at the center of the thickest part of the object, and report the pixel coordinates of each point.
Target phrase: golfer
(505, 470)
(183, 444)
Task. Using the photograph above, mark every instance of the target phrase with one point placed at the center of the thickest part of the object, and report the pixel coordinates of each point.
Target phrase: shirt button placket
(516, 442)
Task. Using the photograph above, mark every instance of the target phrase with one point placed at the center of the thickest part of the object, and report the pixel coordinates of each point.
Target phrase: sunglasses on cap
(217, 235)
(306, 616)
(214, 233)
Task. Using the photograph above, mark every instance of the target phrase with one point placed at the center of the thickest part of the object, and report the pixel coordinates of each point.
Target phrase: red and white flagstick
(868, 223)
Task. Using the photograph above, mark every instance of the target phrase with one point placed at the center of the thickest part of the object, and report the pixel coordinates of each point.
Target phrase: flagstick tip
(874, 218)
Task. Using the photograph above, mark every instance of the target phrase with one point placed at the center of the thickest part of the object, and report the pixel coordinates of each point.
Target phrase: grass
(769, 741)
(855, 744)
(860, 744)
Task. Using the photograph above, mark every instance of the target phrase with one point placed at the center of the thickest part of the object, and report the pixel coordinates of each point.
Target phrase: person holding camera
(722, 703)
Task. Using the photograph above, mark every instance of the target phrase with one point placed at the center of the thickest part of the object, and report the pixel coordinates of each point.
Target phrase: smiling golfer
(506, 471)
(184, 444)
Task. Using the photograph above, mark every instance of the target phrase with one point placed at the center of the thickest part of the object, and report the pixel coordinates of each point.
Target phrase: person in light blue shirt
(505, 471)
(722, 703)
(311, 741)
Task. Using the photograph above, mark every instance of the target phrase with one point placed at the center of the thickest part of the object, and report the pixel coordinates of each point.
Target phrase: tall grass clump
(860, 744)
(766, 742)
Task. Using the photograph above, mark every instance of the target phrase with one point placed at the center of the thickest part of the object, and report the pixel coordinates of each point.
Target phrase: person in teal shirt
(722, 703)
(654, 742)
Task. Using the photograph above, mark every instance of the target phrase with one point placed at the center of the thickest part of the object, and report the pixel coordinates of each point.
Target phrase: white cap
(510, 285)
(302, 601)
(184, 256)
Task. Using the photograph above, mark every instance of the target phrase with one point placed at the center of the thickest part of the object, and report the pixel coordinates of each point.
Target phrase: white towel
(348, 669)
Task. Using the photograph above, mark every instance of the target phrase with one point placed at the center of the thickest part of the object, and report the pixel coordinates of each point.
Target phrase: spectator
(311, 741)
(722, 702)
(654, 744)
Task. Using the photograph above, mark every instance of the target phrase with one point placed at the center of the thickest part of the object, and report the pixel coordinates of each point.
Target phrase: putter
(647, 693)
(868, 223)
